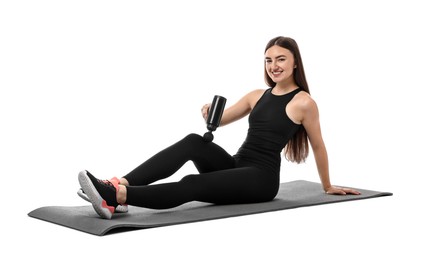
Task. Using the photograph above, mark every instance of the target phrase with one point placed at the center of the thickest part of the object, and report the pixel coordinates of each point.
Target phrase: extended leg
(238, 185)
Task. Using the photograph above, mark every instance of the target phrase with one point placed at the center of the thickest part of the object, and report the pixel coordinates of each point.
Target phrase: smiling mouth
(276, 73)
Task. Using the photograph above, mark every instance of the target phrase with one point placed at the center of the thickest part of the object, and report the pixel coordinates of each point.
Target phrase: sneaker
(102, 193)
(121, 208)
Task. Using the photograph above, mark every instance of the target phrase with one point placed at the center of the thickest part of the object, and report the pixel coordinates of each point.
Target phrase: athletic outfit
(249, 176)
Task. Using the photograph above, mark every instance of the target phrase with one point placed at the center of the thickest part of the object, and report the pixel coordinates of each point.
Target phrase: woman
(282, 116)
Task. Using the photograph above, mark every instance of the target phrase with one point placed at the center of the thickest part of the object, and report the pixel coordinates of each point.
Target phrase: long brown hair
(296, 149)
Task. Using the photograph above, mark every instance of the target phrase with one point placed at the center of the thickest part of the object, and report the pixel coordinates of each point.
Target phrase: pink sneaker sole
(119, 209)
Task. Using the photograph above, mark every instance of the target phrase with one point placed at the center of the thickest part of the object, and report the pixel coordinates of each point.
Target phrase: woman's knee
(193, 138)
(192, 142)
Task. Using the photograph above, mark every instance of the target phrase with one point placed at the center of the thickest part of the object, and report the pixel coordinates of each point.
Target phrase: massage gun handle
(215, 112)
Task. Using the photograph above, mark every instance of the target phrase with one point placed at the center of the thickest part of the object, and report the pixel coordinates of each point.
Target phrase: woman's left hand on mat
(333, 190)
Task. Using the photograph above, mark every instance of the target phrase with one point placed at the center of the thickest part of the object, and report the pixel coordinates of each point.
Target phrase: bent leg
(206, 156)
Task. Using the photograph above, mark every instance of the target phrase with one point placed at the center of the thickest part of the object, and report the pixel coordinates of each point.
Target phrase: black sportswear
(249, 176)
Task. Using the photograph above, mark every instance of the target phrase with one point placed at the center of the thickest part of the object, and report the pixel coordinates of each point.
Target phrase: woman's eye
(281, 60)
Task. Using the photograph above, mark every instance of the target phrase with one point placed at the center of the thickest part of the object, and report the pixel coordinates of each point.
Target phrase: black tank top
(269, 131)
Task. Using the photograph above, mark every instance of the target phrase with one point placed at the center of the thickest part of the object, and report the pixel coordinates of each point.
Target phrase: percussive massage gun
(214, 116)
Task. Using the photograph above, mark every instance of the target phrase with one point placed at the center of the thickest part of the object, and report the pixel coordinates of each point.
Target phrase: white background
(103, 85)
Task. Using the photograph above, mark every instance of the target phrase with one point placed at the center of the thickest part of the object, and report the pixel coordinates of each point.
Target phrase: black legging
(222, 179)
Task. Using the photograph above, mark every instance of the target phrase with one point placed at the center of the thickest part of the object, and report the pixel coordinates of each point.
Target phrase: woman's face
(280, 64)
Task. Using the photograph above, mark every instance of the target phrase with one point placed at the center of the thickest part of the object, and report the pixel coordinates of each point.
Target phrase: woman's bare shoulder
(259, 91)
(254, 96)
(305, 101)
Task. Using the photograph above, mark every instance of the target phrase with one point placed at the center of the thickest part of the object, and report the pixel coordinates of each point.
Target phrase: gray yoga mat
(291, 195)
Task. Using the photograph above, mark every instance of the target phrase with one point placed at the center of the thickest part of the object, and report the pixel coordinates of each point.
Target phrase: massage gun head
(208, 137)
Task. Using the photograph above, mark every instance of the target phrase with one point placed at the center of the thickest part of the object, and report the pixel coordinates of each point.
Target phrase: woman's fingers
(342, 191)
(205, 110)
